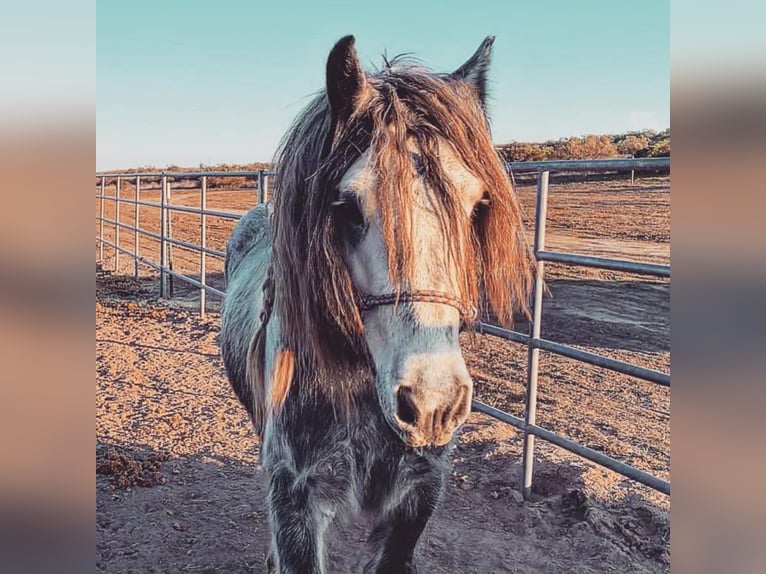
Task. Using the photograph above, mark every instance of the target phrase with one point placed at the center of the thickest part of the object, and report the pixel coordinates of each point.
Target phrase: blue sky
(188, 81)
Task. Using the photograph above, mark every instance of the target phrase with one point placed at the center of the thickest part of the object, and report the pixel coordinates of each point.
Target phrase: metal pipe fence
(533, 340)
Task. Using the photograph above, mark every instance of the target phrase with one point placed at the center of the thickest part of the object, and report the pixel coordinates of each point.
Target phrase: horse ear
(475, 70)
(346, 82)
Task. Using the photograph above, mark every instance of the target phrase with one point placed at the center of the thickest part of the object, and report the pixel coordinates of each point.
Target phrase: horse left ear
(346, 82)
(474, 72)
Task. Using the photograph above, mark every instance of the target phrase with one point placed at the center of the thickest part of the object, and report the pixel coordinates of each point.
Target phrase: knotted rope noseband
(468, 312)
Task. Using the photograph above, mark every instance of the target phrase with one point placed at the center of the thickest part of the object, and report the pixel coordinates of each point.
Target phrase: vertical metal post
(169, 235)
(203, 244)
(533, 353)
(163, 243)
(101, 224)
(117, 226)
(265, 188)
(632, 176)
(136, 250)
(261, 186)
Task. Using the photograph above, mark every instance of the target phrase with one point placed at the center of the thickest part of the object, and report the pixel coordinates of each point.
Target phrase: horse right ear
(346, 82)
(474, 72)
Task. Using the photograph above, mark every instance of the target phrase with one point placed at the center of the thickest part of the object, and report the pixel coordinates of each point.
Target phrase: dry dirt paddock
(179, 488)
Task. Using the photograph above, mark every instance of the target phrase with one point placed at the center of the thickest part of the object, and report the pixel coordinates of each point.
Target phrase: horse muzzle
(432, 401)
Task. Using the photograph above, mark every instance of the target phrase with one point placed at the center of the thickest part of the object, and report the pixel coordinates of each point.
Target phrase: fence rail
(533, 340)
(631, 164)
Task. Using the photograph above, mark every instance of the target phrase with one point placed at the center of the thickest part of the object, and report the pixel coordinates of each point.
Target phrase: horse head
(395, 223)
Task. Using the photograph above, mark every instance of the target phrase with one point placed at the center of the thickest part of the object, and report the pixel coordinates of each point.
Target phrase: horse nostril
(405, 406)
(462, 406)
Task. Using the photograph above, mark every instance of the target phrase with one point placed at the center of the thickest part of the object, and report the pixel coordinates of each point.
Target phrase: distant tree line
(202, 167)
(213, 182)
(645, 143)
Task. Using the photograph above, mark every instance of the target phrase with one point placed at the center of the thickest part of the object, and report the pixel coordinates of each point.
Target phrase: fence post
(632, 177)
(169, 235)
(533, 352)
(261, 187)
(117, 226)
(163, 243)
(265, 188)
(101, 224)
(203, 245)
(136, 249)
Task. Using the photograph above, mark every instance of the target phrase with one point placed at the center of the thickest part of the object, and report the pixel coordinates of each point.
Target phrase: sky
(190, 82)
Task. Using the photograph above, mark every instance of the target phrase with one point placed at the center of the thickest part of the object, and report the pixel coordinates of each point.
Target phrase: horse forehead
(360, 177)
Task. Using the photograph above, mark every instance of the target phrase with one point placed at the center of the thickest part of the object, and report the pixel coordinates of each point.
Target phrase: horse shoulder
(248, 257)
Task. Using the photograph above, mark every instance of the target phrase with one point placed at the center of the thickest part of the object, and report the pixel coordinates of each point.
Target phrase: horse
(393, 226)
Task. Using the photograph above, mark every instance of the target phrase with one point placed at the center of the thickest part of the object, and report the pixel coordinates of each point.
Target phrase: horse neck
(310, 374)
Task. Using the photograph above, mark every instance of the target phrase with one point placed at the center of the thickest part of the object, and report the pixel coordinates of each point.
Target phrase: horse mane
(406, 104)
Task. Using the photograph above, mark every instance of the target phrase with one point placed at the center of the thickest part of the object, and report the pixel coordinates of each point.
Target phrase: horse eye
(482, 204)
(347, 212)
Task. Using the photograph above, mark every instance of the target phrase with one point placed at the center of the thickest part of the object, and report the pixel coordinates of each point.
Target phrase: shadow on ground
(207, 514)
(627, 315)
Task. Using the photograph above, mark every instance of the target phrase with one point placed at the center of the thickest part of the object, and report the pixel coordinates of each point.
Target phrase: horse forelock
(407, 106)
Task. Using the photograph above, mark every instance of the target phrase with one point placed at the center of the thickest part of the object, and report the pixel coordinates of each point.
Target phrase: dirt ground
(178, 483)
